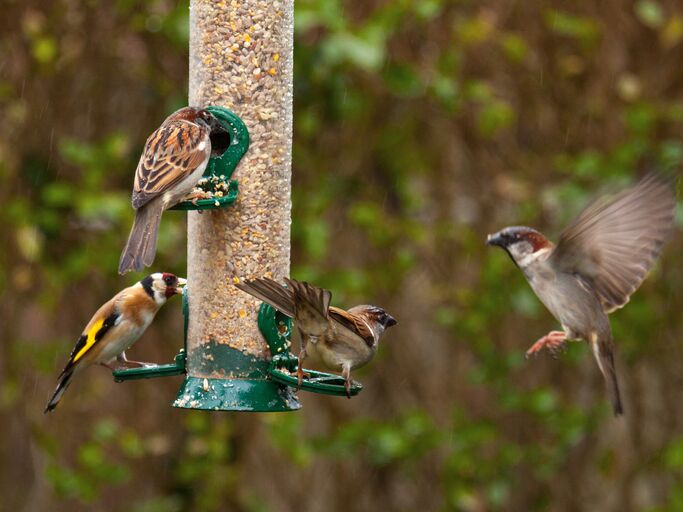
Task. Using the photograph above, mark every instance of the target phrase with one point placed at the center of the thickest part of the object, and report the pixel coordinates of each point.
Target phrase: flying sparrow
(171, 164)
(342, 340)
(116, 326)
(600, 260)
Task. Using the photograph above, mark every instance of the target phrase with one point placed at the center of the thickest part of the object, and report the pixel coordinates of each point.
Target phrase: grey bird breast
(570, 301)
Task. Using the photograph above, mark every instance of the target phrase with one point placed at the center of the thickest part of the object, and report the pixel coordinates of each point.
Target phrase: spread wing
(353, 323)
(171, 153)
(272, 292)
(613, 243)
(316, 300)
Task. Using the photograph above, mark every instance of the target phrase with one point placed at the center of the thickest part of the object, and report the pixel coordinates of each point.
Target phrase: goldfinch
(171, 164)
(341, 340)
(116, 326)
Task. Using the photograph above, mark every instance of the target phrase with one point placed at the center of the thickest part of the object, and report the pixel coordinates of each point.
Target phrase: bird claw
(554, 341)
(300, 376)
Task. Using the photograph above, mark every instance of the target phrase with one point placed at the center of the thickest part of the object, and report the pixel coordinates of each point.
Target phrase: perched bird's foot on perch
(196, 195)
(554, 341)
(127, 363)
(138, 364)
(300, 373)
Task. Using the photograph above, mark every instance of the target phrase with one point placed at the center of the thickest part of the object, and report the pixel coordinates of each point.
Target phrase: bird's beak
(180, 288)
(391, 320)
(215, 124)
(495, 239)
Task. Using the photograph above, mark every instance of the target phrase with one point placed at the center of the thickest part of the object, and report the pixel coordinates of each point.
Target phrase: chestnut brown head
(519, 242)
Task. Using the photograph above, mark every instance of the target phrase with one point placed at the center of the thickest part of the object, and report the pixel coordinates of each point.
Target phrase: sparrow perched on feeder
(116, 326)
(342, 340)
(171, 164)
(600, 260)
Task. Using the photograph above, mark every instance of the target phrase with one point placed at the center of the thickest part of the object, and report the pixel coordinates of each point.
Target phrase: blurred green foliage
(419, 127)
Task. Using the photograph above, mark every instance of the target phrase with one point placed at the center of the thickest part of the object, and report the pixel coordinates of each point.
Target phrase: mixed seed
(241, 58)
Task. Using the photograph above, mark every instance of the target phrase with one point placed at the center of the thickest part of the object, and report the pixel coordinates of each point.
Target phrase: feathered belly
(178, 193)
(336, 354)
(575, 307)
(127, 334)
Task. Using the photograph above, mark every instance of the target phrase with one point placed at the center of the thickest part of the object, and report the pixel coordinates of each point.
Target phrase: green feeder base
(223, 378)
(253, 395)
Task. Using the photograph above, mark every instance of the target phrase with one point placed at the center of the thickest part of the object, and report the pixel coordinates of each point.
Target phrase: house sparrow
(342, 340)
(116, 326)
(173, 161)
(600, 260)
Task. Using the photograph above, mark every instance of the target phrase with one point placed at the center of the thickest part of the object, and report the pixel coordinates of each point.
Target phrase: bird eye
(168, 280)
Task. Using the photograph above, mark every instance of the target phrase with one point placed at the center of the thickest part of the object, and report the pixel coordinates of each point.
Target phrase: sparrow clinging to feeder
(342, 340)
(173, 161)
(116, 326)
(600, 260)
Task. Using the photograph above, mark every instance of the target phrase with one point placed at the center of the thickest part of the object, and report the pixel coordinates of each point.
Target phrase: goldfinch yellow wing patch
(94, 334)
(89, 339)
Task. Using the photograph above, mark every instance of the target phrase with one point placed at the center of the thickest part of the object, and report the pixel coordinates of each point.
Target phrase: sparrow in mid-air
(600, 260)
(116, 326)
(173, 161)
(342, 340)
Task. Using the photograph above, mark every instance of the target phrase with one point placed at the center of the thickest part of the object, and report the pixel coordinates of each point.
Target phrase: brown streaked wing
(318, 298)
(171, 154)
(353, 323)
(272, 292)
(613, 243)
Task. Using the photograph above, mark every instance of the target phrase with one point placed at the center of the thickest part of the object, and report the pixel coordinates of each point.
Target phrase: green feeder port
(246, 383)
(229, 143)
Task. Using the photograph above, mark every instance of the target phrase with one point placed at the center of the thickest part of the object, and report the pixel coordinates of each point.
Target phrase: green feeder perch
(229, 143)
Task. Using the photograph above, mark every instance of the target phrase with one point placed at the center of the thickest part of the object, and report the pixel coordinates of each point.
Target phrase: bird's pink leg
(553, 341)
(300, 373)
(121, 358)
(346, 373)
(196, 196)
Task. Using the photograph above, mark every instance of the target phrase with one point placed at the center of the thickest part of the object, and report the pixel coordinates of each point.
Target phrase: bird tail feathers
(62, 384)
(142, 241)
(604, 355)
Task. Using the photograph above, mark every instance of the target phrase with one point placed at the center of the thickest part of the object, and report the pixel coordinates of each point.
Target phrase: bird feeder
(237, 351)
(261, 388)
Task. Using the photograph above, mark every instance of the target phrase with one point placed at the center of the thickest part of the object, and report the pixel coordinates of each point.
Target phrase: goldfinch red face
(162, 286)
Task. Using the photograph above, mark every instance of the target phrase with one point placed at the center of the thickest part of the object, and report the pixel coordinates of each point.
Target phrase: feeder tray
(228, 145)
(276, 328)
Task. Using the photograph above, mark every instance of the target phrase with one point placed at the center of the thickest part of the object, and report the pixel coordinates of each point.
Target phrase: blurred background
(420, 126)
